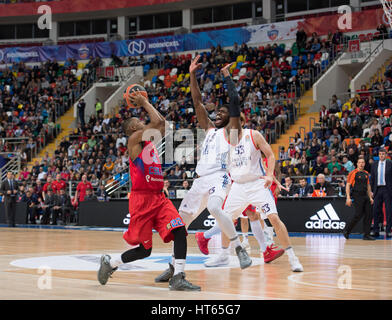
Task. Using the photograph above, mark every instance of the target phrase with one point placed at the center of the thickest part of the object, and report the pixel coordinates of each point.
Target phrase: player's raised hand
(138, 99)
(194, 65)
(226, 69)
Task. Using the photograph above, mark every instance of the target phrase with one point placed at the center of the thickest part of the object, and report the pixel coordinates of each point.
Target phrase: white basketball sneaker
(296, 266)
(245, 244)
(218, 261)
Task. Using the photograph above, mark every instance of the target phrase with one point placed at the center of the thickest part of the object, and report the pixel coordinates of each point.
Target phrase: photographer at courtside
(358, 189)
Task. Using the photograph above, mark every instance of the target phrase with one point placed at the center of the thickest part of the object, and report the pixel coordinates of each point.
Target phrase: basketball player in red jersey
(148, 207)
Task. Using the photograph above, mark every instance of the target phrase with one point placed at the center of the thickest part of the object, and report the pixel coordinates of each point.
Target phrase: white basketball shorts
(241, 195)
(195, 201)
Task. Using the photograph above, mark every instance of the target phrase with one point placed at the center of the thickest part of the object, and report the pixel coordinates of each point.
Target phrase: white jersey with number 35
(245, 161)
(213, 154)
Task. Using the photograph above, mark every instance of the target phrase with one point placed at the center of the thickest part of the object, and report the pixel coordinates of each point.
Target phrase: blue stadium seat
(154, 79)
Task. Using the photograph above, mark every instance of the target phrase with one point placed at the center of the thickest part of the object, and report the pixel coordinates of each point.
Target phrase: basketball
(131, 90)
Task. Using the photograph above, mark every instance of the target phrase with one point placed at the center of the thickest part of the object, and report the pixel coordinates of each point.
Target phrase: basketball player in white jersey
(211, 188)
(251, 181)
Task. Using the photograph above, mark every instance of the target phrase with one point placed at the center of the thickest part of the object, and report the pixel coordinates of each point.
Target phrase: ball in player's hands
(130, 94)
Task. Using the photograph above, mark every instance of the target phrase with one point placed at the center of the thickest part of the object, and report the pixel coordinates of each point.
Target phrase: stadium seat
(173, 71)
(377, 112)
(154, 79)
(387, 112)
(162, 78)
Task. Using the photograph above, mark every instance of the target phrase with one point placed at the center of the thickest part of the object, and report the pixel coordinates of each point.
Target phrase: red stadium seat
(387, 112)
(377, 112)
(362, 37)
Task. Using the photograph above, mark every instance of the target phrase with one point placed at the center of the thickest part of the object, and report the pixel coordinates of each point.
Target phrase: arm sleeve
(234, 99)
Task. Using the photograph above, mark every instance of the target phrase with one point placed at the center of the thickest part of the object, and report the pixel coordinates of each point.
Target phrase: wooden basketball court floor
(334, 268)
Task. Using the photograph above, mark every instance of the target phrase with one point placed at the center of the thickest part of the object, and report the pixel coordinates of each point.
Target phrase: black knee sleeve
(268, 223)
(135, 254)
(180, 244)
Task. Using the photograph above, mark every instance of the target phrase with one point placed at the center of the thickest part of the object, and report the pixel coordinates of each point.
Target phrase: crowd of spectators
(273, 78)
(31, 101)
(348, 130)
(268, 89)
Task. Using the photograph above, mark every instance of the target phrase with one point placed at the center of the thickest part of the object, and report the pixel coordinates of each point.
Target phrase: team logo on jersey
(168, 226)
(326, 218)
(91, 262)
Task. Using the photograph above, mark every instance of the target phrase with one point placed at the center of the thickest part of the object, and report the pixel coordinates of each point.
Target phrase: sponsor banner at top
(251, 35)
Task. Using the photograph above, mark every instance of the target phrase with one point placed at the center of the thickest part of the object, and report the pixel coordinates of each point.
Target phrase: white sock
(236, 242)
(259, 234)
(114, 263)
(213, 231)
(179, 266)
(173, 260)
(290, 252)
(225, 251)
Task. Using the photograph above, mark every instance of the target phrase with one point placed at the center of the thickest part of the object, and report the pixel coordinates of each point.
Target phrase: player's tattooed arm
(201, 112)
(265, 148)
(234, 102)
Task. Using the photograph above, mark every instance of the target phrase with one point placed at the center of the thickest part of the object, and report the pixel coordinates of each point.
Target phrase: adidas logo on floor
(326, 218)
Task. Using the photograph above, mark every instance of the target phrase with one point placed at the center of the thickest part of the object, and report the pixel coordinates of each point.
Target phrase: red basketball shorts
(151, 211)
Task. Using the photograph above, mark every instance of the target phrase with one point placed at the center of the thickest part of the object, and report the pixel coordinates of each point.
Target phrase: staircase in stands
(67, 123)
(303, 124)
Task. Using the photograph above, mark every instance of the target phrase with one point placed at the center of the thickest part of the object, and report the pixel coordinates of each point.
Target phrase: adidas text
(336, 225)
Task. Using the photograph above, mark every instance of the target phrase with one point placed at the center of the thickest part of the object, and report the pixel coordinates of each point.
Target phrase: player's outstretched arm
(234, 102)
(263, 145)
(201, 112)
